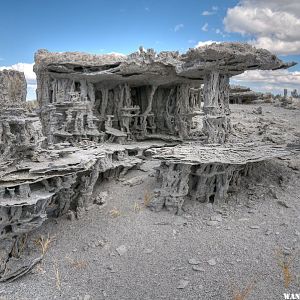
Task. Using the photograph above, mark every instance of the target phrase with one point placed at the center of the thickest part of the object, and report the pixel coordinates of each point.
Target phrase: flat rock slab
(236, 154)
(198, 268)
(121, 250)
(212, 262)
(134, 181)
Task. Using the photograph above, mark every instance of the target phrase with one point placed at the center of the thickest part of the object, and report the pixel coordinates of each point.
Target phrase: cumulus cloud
(276, 45)
(205, 43)
(272, 24)
(29, 75)
(269, 81)
(178, 27)
(205, 27)
(23, 67)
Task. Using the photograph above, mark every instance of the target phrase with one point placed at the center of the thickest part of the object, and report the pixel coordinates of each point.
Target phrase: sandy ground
(122, 250)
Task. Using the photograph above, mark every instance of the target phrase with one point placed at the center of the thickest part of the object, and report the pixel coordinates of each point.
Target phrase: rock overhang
(166, 67)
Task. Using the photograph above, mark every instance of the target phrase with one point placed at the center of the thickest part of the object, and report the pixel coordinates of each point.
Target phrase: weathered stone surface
(13, 88)
(241, 94)
(205, 173)
(95, 113)
(141, 95)
(20, 132)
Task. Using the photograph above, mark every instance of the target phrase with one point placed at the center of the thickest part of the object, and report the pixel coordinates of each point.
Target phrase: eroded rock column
(216, 123)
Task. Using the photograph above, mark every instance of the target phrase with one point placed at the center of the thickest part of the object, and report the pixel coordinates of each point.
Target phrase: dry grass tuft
(137, 207)
(44, 243)
(114, 213)
(77, 264)
(57, 275)
(242, 295)
(40, 269)
(147, 198)
(284, 262)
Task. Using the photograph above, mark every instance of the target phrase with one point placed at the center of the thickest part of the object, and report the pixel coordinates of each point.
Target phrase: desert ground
(246, 249)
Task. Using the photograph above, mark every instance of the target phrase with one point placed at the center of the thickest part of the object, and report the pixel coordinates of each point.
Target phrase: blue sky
(122, 26)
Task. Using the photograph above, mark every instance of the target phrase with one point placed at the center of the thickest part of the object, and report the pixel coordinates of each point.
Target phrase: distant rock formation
(13, 87)
(241, 94)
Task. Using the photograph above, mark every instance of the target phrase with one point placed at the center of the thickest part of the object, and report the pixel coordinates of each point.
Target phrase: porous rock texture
(13, 87)
(142, 95)
(51, 184)
(20, 132)
(36, 180)
(95, 113)
(204, 173)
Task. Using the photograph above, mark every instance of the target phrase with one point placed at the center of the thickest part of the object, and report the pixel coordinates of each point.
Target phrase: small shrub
(44, 243)
(114, 213)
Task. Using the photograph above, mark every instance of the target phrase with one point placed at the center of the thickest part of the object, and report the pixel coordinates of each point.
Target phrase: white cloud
(218, 31)
(276, 45)
(205, 27)
(178, 27)
(274, 24)
(269, 81)
(22, 67)
(205, 43)
(29, 75)
(115, 53)
(211, 12)
(208, 13)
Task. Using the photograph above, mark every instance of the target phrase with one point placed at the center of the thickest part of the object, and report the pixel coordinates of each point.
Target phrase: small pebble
(121, 250)
(212, 223)
(212, 262)
(198, 269)
(182, 284)
(254, 227)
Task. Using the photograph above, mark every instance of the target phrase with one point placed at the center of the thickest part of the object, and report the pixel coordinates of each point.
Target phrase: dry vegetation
(57, 276)
(243, 295)
(114, 213)
(284, 262)
(137, 207)
(77, 263)
(44, 243)
(147, 198)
